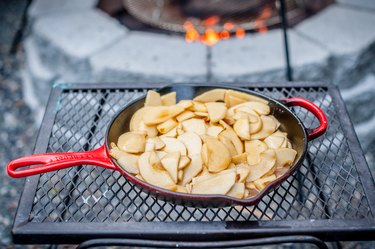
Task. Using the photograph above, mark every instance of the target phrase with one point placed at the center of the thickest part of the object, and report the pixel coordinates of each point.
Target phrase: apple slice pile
(221, 142)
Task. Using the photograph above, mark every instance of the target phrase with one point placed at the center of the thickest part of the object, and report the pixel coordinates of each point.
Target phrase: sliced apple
(276, 121)
(261, 183)
(218, 156)
(132, 142)
(137, 124)
(231, 166)
(201, 114)
(116, 153)
(150, 147)
(246, 96)
(172, 133)
(285, 157)
(253, 149)
(258, 107)
(241, 158)
(204, 176)
(242, 128)
(228, 144)
(214, 130)
(170, 163)
(172, 145)
(243, 171)
(198, 107)
(250, 185)
(246, 109)
(237, 191)
(169, 99)
(151, 174)
(185, 115)
(216, 111)
(289, 145)
(166, 126)
(159, 144)
(220, 184)
(139, 177)
(266, 165)
(232, 136)
(180, 175)
(211, 96)
(232, 100)
(155, 161)
(274, 142)
(159, 114)
(195, 125)
(256, 126)
(161, 154)
(280, 133)
(280, 171)
(195, 166)
(129, 163)
(153, 99)
(192, 142)
(268, 127)
(181, 189)
(229, 120)
(239, 115)
(180, 131)
(184, 161)
(185, 103)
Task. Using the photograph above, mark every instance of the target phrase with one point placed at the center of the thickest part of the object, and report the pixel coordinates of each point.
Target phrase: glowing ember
(240, 33)
(262, 19)
(228, 25)
(211, 21)
(211, 36)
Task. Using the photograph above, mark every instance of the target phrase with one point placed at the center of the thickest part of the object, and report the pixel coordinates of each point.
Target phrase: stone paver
(43, 7)
(78, 34)
(34, 64)
(151, 56)
(341, 30)
(368, 4)
(263, 53)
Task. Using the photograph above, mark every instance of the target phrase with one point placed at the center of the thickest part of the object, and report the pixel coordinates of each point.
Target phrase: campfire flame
(211, 35)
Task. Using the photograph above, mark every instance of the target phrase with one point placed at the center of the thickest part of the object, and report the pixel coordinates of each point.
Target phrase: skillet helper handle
(54, 161)
(312, 133)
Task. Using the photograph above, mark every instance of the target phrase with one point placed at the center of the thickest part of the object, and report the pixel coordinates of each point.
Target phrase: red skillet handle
(55, 161)
(314, 109)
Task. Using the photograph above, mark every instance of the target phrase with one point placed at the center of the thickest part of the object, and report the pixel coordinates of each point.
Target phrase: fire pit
(208, 21)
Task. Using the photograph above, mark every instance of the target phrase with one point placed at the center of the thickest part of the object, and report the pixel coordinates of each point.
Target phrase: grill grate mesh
(326, 186)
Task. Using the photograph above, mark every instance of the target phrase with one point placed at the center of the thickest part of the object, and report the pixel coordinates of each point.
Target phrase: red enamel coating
(312, 133)
(55, 161)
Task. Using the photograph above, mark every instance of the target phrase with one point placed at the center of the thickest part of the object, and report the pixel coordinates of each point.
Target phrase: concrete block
(79, 34)
(38, 71)
(367, 4)
(260, 54)
(144, 56)
(360, 100)
(341, 30)
(43, 7)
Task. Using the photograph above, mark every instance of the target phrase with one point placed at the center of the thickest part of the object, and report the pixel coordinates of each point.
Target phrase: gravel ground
(17, 131)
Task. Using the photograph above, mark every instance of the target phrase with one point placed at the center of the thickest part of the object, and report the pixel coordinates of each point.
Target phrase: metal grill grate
(326, 186)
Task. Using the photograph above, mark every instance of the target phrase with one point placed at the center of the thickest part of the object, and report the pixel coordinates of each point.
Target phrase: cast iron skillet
(290, 123)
